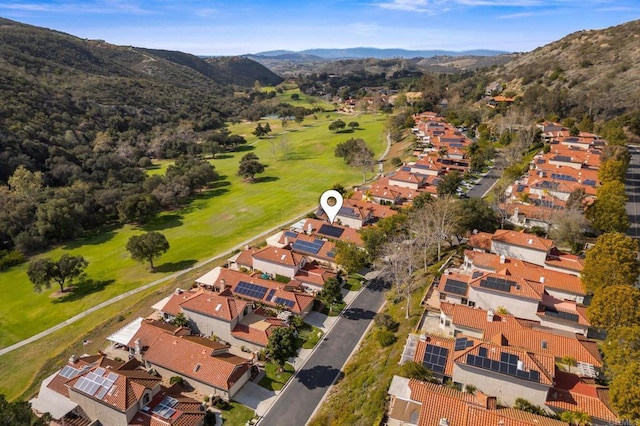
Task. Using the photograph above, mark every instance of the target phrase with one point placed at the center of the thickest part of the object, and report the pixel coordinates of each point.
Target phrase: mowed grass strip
(215, 221)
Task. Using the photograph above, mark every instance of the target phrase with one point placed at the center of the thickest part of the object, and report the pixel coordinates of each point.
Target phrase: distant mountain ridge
(371, 52)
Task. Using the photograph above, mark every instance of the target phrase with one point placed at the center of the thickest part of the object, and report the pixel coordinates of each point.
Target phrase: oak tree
(611, 261)
(281, 345)
(625, 391)
(615, 306)
(608, 213)
(147, 247)
(622, 345)
(43, 272)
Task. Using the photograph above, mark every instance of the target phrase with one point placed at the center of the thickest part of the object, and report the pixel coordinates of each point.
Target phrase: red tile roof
(215, 305)
(522, 239)
(463, 409)
(524, 334)
(529, 271)
(349, 235)
(480, 241)
(150, 329)
(571, 394)
(192, 359)
(257, 329)
(279, 256)
(519, 287)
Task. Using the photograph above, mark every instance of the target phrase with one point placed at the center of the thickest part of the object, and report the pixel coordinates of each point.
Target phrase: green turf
(310, 336)
(274, 379)
(216, 220)
(237, 414)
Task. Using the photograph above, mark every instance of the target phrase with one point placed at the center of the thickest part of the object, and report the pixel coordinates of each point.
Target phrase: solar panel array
(312, 247)
(285, 302)
(435, 358)
(496, 283)
(462, 344)
(165, 408)
(564, 177)
(95, 384)
(455, 287)
(251, 290)
(332, 253)
(271, 293)
(290, 234)
(348, 211)
(69, 372)
(589, 182)
(549, 311)
(331, 231)
(508, 364)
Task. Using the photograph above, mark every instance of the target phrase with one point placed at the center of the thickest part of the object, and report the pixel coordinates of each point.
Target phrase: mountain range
(367, 52)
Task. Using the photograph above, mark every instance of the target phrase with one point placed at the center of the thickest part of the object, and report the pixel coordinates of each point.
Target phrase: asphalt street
(632, 187)
(481, 188)
(305, 391)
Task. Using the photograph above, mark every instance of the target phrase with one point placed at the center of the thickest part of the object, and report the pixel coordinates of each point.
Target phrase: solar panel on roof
(286, 302)
(165, 408)
(312, 247)
(100, 371)
(112, 377)
(496, 283)
(102, 393)
(455, 287)
(331, 231)
(348, 211)
(462, 343)
(271, 293)
(560, 314)
(69, 372)
(435, 358)
(251, 290)
(589, 182)
(290, 234)
(506, 365)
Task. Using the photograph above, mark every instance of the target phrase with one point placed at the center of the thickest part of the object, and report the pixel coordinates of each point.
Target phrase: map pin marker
(331, 210)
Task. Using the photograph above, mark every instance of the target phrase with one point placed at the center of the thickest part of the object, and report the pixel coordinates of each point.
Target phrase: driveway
(255, 396)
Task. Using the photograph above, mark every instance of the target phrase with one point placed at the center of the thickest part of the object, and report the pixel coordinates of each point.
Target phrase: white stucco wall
(519, 307)
(274, 268)
(564, 295)
(210, 326)
(523, 253)
(506, 388)
(556, 325)
(349, 221)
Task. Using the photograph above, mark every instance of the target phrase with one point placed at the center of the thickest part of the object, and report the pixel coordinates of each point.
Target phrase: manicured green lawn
(274, 380)
(310, 336)
(216, 220)
(353, 284)
(237, 414)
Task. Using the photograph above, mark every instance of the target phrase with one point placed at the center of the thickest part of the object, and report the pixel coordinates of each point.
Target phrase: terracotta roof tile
(215, 305)
(194, 360)
(279, 256)
(522, 239)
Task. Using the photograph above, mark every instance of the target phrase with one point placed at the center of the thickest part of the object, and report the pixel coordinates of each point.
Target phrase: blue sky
(248, 26)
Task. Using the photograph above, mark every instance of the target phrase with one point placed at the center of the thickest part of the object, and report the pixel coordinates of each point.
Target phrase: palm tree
(576, 418)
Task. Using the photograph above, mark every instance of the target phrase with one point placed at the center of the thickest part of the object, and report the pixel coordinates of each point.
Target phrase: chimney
(503, 259)
(138, 346)
(520, 365)
(443, 422)
(490, 315)
(222, 283)
(73, 359)
(309, 229)
(541, 280)
(423, 337)
(486, 401)
(286, 241)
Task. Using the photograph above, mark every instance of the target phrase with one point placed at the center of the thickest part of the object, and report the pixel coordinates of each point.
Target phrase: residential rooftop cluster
(571, 163)
(508, 323)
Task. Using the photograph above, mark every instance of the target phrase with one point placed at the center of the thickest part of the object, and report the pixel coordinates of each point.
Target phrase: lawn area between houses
(274, 379)
(353, 284)
(309, 336)
(216, 220)
(237, 414)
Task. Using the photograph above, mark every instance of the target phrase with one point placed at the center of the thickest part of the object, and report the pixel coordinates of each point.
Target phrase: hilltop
(593, 72)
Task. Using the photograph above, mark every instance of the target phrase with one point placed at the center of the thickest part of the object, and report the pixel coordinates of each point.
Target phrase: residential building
(204, 364)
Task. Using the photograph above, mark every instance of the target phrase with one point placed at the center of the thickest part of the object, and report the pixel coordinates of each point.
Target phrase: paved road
(305, 391)
(632, 184)
(486, 183)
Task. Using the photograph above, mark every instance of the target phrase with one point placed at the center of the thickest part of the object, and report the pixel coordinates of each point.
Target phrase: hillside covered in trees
(80, 119)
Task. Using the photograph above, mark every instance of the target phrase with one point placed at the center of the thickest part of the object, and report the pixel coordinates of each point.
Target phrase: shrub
(396, 161)
(385, 321)
(176, 379)
(11, 258)
(385, 337)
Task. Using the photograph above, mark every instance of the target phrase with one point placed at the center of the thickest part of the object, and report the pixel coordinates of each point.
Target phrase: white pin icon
(331, 210)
